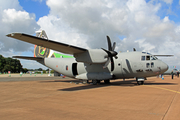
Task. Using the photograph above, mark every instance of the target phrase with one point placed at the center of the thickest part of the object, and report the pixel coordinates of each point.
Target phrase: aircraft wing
(29, 58)
(164, 55)
(57, 46)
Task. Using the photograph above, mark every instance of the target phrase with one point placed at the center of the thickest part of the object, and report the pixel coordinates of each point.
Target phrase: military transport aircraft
(95, 64)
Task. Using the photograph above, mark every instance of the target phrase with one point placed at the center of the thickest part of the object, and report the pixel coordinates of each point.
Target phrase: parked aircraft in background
(93, 64)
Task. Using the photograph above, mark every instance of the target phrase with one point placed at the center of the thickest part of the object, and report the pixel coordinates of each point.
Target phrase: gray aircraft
(96, 64)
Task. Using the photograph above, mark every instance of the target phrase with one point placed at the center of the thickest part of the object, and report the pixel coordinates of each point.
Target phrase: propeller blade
(112, 63)
(109, 44)
(114, 45)
(109, 54)
(106, 64)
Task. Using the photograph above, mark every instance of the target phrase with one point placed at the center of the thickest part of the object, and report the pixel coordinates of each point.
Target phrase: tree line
(9, 64)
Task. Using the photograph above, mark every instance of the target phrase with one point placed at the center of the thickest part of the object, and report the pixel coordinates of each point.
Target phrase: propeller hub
(113, 53)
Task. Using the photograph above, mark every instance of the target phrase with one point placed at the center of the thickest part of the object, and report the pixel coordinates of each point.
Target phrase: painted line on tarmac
(164, 89)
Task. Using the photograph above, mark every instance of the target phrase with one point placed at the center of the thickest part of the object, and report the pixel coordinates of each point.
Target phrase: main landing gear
(95, 82)
(106, 81)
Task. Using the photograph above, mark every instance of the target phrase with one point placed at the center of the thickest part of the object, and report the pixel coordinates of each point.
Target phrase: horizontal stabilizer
(60, 47)
(29, 58)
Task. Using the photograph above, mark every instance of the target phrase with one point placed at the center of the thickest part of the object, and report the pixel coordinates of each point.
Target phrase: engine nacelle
(92, 56)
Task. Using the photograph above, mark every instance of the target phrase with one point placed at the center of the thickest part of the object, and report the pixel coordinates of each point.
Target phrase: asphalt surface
(57, 98)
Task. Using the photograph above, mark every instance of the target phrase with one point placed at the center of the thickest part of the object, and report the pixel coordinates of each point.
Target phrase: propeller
(111, 53)
(134, 49)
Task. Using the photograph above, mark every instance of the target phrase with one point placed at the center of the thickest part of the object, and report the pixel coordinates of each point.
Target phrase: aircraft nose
(164, 67)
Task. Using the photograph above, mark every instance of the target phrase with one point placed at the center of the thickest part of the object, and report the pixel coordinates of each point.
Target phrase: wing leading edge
(60, 47)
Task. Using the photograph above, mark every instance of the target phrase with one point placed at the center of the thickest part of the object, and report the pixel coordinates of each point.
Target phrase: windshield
(153, 58)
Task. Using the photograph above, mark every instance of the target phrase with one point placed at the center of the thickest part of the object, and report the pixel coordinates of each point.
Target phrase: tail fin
(45, 52)
(41, 34)
(41, 51)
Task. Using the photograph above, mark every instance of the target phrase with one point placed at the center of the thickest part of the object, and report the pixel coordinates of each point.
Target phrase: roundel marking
(41, 51)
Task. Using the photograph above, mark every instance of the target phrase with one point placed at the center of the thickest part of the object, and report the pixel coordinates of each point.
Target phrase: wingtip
(8, 35)
(12, 34)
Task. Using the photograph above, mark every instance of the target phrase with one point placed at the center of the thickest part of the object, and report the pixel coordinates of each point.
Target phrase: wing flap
(57, 46)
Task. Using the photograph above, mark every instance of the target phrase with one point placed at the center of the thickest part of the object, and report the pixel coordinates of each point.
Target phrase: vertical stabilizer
(41, 51)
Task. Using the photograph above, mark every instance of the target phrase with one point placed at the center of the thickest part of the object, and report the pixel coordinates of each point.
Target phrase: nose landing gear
(140, 81)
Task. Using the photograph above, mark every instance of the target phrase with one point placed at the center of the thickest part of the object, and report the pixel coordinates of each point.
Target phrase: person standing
(172, 74)
(177, 73)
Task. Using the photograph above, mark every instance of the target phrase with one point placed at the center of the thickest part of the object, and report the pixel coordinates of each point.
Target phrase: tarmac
(43, 97)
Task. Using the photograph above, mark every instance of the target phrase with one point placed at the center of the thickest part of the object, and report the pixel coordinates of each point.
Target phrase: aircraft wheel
(98, 81)
(106, 81)
(140, 82)
(94, 82)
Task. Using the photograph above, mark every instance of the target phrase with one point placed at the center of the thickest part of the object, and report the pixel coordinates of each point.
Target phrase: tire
(140, 82)
(94, 82)
(106, 81)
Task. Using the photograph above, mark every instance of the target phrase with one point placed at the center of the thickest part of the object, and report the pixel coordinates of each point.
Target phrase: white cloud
(93, 20)
(14, 19)
(86, 24)
(168, 1)
(58, 30)
(38, 0)
(11, 4)
(96, 19)
(11, 15)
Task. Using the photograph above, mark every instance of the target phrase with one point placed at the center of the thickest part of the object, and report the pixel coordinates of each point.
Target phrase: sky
(148, 25)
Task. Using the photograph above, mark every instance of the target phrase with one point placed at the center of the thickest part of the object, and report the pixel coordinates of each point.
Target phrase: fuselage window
(147, 65)
(147, 57)
(152, 64)
(66, 67)
(143, 58)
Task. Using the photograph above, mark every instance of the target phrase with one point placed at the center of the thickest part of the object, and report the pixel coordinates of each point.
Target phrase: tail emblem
(41, 51)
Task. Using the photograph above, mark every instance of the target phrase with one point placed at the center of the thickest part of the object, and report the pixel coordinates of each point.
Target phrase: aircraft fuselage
(127, 65)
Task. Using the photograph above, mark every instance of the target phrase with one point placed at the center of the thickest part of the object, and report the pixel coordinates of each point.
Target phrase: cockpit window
(153, 58)
(147, 57)
(143, 58)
